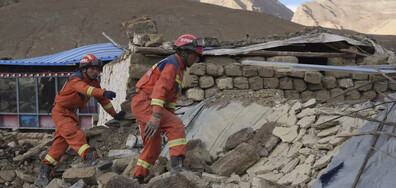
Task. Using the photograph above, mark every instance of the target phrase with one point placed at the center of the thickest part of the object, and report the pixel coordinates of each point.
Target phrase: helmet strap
(184, 55)
(85, 72)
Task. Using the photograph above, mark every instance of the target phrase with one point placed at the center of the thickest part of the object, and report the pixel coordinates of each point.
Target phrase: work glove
(109, 94)
(153, 125)
(120, 115)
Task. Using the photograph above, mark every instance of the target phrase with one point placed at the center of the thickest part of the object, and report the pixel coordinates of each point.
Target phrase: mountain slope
(41, 27)
(272, 7)
(365, 16)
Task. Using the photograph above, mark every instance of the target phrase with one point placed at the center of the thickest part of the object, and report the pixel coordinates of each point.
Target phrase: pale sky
(293, 4)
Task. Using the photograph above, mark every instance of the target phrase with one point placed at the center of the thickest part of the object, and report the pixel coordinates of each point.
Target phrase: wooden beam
(354, 52)
(299, 54)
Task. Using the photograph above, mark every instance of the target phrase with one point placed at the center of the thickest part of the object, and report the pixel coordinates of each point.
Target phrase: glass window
(28, 121)
(8, 97)
(27, 95)
(46, 122)
(61, 82)
(8, 121)
(46, 91)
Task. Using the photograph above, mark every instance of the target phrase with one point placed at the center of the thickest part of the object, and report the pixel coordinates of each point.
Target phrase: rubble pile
(292, 149)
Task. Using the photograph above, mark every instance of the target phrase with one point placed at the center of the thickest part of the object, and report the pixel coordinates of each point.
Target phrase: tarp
(319, 38)
(380, 170)
(213, 125)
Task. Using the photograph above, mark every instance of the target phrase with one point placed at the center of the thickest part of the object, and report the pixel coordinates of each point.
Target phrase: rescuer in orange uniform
(155, 102)
(75, 94)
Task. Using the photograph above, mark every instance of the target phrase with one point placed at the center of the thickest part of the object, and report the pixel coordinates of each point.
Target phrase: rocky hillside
(41, 27)
(273, 7)
(365, 16)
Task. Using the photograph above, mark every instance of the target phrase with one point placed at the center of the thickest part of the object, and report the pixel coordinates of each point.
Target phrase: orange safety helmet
(190, 42)
(90, 60)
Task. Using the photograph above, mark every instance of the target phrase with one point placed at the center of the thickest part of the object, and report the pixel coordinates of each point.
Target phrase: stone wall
(219, 74)
(204, 79)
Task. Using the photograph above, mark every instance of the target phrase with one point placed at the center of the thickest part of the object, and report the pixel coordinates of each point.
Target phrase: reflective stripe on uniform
(177, 142)
(157, 102)
(170, 105)
(178, 79)
(51, 160)
(144, 164)
(89, 91)
(154, 66)
(83, 148)
(108, 106)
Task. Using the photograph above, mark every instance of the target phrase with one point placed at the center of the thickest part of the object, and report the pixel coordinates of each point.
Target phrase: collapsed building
(279, 109)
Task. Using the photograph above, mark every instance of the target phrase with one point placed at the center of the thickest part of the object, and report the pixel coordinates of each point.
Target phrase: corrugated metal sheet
(105, 52)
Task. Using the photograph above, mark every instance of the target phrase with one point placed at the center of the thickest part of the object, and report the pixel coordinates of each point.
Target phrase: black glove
(109, 94)
(120, 115)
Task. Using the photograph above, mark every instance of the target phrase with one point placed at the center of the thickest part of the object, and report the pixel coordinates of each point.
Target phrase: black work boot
(177, 164)
(139, 179)
(92, 159)
(45, 176)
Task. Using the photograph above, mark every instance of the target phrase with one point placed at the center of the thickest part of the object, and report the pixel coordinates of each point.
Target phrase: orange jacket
(163, 82)
(77, 91)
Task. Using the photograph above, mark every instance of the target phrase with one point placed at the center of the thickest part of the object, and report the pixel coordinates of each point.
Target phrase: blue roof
(104, 51)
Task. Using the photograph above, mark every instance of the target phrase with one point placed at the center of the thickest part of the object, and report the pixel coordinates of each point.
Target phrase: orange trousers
(67, 133)
(170, 124)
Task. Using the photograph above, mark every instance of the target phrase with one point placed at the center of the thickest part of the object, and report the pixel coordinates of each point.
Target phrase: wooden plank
(299, 54)
(354, 52)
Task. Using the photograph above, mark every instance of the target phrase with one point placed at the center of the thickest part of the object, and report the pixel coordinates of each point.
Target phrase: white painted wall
(114, 77)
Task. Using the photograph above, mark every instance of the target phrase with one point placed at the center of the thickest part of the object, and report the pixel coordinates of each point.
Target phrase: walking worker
(75, 94)
(155, 102)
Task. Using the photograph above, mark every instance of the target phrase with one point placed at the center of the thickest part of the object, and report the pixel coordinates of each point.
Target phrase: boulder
(249, 71)
(313, 77)
(271, 83)
(198, 69)
(239, 137)
(256, 83)
(214, 69)
(196, 94)
(241, 83)
(206, 82)
(266, 72)
(224, 83)
(236, 161)
(233, 70)
(89, 175)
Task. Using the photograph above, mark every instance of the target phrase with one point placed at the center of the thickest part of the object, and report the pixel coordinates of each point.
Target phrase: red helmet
(90, 60)
(190, 42)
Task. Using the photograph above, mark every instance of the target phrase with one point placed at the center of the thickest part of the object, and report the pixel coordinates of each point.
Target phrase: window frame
(37, 113)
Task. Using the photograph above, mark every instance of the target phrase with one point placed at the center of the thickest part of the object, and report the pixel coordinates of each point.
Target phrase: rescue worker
(155, 102)
(75, 94)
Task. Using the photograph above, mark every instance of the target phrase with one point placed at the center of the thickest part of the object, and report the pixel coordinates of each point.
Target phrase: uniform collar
(181, 63)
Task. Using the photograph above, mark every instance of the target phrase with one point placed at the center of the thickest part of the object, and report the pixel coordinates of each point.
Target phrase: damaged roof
(104, 52)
